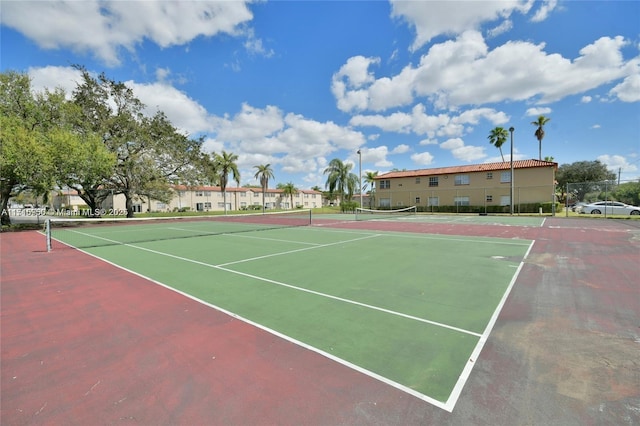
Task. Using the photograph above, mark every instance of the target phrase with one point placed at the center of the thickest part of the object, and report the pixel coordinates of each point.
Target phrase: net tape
(95, 232)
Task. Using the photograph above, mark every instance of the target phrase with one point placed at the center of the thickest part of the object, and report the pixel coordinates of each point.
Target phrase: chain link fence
(577, 194)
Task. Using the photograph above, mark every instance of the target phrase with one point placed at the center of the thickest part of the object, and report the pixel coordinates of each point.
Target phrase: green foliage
(340, 180)
(225, 164)
(628, 193)
(583, 177)
(288, 189)
(498, 137)
(348, 206)
(539, 133)
(263, 174)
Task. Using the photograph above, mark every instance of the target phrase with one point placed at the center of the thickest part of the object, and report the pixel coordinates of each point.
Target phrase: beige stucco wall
(531, 185)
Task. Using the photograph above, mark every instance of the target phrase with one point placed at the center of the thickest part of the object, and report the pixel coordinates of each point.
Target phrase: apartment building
(479, 185)
(199, 198)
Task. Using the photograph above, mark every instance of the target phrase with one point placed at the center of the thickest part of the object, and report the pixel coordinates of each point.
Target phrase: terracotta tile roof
(236, 189)
(486, 167)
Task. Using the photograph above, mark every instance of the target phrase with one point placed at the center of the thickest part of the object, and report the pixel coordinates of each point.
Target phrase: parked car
(577, 206)
(609, 207)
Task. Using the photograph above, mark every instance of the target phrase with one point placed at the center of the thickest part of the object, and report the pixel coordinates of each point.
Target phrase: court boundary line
(456, 391)
(302, 289)
(475, 354)
(276, 333)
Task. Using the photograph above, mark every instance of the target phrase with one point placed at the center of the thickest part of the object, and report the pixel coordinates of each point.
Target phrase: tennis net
(372, 214)
(95, 232)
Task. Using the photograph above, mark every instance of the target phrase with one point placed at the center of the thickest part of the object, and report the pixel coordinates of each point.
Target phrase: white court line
(242, 235)
(457, 390)
(466, 372)
(300, 343)
(297, 250)
(437, 237)
(305, 290)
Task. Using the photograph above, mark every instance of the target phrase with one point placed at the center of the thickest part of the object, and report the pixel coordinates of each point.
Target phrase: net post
(47, 231)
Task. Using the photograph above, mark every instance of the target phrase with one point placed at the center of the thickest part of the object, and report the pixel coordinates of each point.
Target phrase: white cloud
(463, 152)
(401, 149)
(628, 90)
(353, 75)
(617, 162)
(50, 77)
(422, 158)
(103, 29)
(586, 99)
(514, 71)
(537, 111)
(543, 12)
(184, 113)
(257, 135)
(431, 18)
(376, 156)
(421, 123)
(504, 27)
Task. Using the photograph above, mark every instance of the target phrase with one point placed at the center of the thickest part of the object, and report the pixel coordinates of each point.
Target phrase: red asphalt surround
(84, 342)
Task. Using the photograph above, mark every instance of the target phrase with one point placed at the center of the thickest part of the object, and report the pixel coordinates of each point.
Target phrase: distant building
(479, 185)
(199, 198)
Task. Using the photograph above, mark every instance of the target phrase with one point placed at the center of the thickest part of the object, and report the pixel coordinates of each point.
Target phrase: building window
(489, 175)
(433, 181)
(505, 200)
(417, 201)
(417, 180)
(385, 184)
(433, 201)
(461, 201)
(207, 206)
(385, 202)
(207, 193)
(198, 193)
(489, 198)
(160, 206)
(462, 180)
(505, 177)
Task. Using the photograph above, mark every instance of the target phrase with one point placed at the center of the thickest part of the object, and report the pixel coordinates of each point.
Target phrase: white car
(609, 207)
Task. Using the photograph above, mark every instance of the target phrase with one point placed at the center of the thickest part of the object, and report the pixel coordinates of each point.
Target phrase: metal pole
(360, 174)
(48, 234)
(511, 129)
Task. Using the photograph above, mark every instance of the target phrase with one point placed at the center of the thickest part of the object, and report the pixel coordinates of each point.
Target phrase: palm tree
(263, 174)
(539, 123)
(498, 137)
(370, 179)
(341, 179)
(288, 189)
(226, 163)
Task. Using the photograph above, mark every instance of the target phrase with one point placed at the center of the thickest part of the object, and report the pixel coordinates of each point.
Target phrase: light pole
(360, 175)
(511, 129)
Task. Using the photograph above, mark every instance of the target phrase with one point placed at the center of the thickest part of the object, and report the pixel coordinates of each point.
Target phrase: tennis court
(410, 310)
(345, 321)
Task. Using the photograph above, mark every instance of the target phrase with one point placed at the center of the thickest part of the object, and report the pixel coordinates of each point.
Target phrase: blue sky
(412, 84)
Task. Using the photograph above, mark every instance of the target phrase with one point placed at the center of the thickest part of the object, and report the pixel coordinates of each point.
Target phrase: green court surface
(469, 219)
(411, 310)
